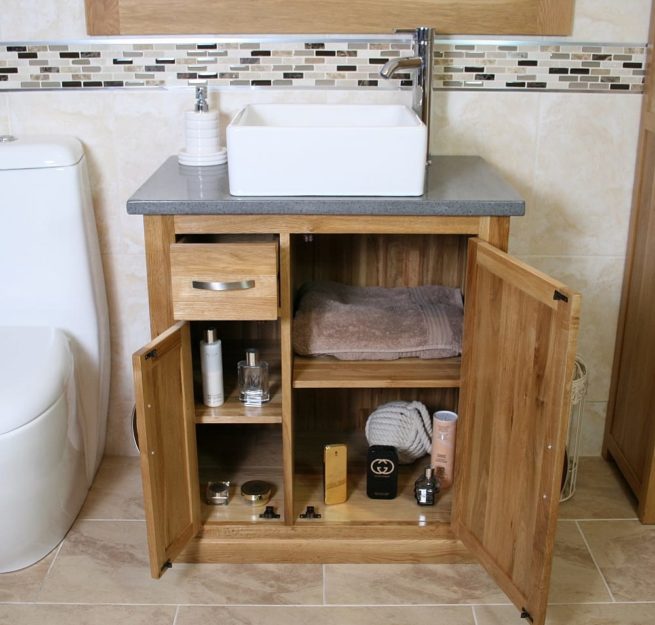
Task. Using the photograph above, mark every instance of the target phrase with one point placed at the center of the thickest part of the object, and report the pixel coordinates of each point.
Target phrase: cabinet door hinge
(151, 354)
(558, 295)
(526, 615)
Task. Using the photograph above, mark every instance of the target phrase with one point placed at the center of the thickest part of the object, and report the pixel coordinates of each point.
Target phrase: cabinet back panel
(348, 409)
(380, 260)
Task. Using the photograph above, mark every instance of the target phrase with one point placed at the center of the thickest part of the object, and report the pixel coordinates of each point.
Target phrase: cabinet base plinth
(320, 544)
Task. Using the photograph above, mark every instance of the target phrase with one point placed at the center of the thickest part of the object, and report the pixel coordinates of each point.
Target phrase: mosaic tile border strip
(526, 65)
(338, 62)
(304, 64)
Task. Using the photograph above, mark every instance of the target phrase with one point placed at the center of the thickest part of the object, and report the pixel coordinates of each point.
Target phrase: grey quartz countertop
(455, 185)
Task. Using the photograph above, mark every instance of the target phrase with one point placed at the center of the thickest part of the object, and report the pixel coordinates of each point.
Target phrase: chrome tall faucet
(422, 61)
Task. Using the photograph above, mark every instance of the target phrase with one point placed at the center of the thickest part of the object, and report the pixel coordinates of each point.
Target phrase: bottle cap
(252, 357)
(211, 335)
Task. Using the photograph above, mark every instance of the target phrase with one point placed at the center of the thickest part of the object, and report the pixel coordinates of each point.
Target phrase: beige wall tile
(47, 19)
(86, 614)
(603, 614)
(608, 20)
(125, 278)
(593, 428)
(624, 552)
(5, 127)
(107, 562)
(373, 584)
(583, 174)
(324, 615)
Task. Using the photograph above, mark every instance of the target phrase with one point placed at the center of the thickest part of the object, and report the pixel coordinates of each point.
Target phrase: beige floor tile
(116, 491)
(600, 493)
(433, 615)
(625, 553)
(409, 584)
(107, 562)
(24, 585)
(574, 576)
(599, 614)
(85, 615)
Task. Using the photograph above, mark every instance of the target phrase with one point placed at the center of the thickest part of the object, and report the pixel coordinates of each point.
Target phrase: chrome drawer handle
(240, 285)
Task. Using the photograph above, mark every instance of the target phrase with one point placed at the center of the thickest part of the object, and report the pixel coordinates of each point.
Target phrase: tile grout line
(475, 616)
(45, 577)
(323, 573)
(593, 559)
(177, 611)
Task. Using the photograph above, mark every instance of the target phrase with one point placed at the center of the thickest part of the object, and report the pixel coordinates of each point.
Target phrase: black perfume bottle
(427, 487)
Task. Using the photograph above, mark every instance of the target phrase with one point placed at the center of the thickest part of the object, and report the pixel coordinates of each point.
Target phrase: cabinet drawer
(224, 280)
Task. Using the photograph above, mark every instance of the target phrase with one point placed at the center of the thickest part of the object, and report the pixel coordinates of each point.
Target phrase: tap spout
(421, 61)
(394, 65)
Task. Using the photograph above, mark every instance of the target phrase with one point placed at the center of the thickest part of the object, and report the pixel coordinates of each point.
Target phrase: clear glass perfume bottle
(253, 379)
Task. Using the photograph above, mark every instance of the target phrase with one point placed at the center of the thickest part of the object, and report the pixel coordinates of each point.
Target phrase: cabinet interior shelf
(235, 411)
(328, 372)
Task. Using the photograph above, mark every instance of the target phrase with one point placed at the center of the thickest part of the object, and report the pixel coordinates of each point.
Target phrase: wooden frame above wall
(483, 17)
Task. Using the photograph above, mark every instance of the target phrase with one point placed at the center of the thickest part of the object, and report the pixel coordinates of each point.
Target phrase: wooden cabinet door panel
(517, 364)
(166, 425)
(630, 425)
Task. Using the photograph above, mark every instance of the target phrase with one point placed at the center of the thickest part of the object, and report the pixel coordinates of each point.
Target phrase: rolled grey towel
(407, 426)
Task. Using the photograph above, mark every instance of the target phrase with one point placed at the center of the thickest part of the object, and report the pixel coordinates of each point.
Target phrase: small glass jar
(253, 379)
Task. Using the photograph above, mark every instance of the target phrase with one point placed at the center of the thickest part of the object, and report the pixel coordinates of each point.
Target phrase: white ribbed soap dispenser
(201, 132)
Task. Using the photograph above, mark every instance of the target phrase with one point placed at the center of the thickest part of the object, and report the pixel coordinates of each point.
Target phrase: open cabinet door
(520, 333)
(166, 425)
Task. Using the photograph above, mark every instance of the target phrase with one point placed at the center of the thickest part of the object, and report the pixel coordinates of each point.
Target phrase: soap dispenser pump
(201, 100)
(202, 134)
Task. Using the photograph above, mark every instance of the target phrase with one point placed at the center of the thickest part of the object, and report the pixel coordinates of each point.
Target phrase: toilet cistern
(422, 61)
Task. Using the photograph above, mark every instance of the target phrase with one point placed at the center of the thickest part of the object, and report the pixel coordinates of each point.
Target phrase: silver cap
(211, 335)
(252, 357)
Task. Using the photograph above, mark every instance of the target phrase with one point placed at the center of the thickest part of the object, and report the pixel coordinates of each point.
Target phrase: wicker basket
(578, 392)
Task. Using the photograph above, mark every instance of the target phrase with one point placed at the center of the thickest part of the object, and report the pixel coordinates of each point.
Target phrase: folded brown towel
(376, 323)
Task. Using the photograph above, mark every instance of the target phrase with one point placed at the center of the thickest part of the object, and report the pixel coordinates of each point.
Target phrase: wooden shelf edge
(236, 412)
(327, 372)
(238, 420)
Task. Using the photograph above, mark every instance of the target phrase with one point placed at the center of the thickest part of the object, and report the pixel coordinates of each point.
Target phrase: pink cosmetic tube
(444, 427)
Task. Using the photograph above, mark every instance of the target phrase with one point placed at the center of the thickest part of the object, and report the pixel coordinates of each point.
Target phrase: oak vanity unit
(511, 385)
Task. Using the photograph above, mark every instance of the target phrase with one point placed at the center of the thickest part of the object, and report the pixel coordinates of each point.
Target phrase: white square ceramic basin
(326, 149)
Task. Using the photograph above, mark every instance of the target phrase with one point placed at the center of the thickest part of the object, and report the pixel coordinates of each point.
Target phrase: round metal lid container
(256, 491)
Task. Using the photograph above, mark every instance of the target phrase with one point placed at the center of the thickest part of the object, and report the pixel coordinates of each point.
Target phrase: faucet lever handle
(404, 31)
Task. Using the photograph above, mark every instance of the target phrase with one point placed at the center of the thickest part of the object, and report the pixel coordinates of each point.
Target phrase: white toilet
(54, 345)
